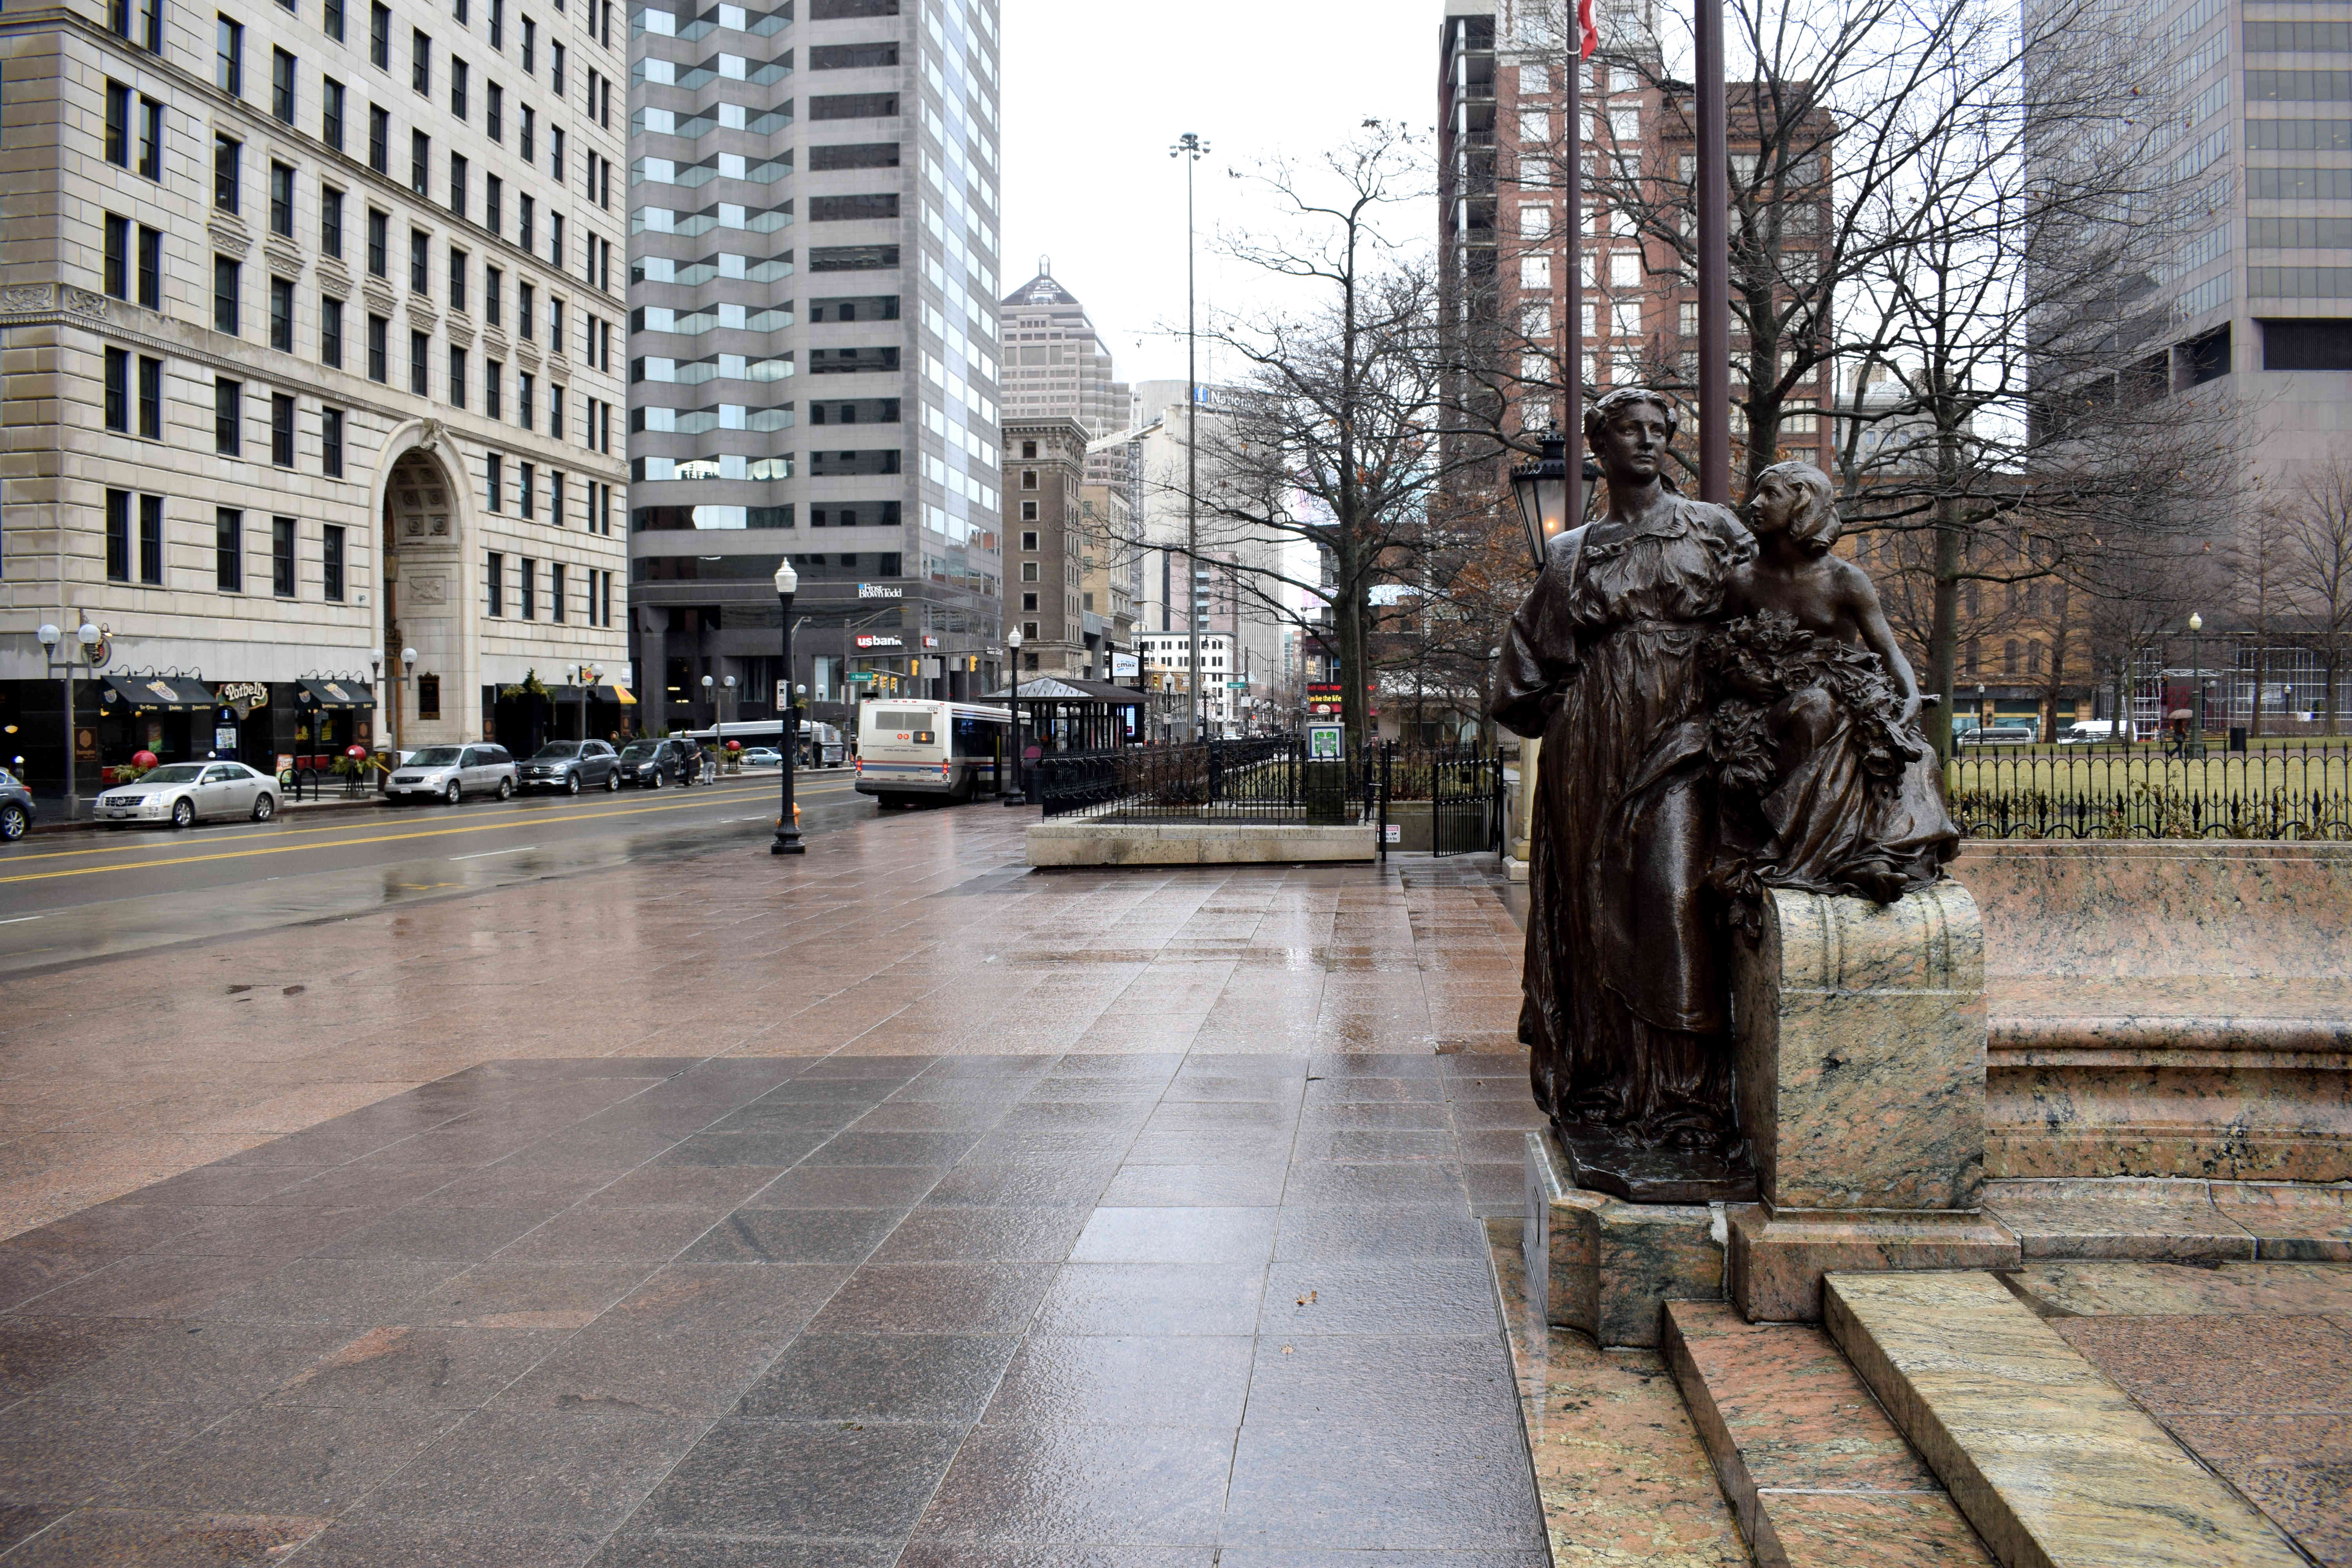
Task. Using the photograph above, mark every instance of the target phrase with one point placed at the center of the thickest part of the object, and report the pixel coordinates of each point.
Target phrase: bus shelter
(1059, 717)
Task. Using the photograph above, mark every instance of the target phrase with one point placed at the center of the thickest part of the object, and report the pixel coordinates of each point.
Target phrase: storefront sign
(880, 591)
(245, 696)
(929, 641)
(86, 746)
(878, 639)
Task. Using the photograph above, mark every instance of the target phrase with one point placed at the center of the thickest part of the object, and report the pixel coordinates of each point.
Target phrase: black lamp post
(1019, 796)
(1541, 488)
(788, 831)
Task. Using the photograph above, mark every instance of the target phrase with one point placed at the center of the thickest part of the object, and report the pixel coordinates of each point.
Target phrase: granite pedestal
(1860, 1041)
(1606, 1267)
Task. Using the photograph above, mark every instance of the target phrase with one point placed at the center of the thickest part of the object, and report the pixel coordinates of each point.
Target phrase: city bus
(910, 750)
(820, 745)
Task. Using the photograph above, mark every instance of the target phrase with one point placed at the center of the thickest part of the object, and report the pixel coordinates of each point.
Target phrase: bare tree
(2315, 569)
(1335, 441)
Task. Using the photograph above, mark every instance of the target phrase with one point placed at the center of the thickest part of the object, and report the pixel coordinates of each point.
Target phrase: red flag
(1588, 36)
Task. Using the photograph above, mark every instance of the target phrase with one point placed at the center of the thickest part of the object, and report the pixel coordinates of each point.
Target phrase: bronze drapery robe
(1626, 986)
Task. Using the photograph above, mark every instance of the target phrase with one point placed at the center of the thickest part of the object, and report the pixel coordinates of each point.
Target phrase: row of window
(519, 587)
(526, 494)
(134, 548)
(134, 402)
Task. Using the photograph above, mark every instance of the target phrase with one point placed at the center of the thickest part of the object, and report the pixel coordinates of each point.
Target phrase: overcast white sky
(1095, 94)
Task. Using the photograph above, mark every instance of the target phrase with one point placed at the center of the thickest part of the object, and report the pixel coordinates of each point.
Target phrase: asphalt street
(66, 898)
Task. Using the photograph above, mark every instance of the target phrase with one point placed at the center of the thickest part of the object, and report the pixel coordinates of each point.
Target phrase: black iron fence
(1258, 779)
(2168, 789)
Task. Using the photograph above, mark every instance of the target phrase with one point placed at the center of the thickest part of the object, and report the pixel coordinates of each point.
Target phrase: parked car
(762, 757)
(2091, 732)
(1998, 736)
(180, 792)
(571, 766)
(16, 807)
(654, 764)
(453, 773)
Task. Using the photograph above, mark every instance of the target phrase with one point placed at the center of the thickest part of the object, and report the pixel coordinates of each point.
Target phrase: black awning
(165, 693)
(322, 691)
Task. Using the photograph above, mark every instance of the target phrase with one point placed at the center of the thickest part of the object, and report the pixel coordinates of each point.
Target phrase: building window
(332, 23)
(281, 86)
(151, 540)
(331, 332)
(379, 331)
(456, 377)
(523, 406)
(1029, 571)
(493, 283)
(229, 64)
(555, 69)
(281, 429)
(494, 112)
(494, 482)
(379, 139)
(118, 389)
(117, 278)
(526, 307)
(456, 279)
(118, 124)
(330, 563)
(151, 137)
(555, 497)
(330, 222)
(497, 584)
(281, 556)
(493, 372)
(331, 122)
(228, 153)
(151, 267)
(228, 417)
(458, 73)
(151, 398)
(1029, 538)
(419, 348)
(282, 314)
(1029, 600)
(379, 242)
(420, 266)
(420, 155)
(118, 536)
(458, 184)
(526, 496)
(380, 36)
(331, 443)
(494, 197)
(555, 412)
(1028, 479)
(555, 592)
(227, 283)
(530, 46)
(1029, 514)
(228, 550)
(429, 697)
(527, 587)
(281, 199)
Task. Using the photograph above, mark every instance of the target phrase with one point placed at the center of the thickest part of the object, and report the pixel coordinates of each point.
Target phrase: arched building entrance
(425, 604)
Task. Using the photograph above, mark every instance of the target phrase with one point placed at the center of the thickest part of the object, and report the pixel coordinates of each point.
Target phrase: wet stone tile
(164, 1540)
(1153, 1299)
(343, 1290)
(1414, 1296)
(382, 1543)
(1327, 1485)
(401, 1368)
(1125, 1381)
(848, 1187)
(286, 1459)
(1410, 1380)
(501, 1295)
(433, 1233)
(793, 1235)
(968, 1233)
(778, 1149)
(1195, 1187)
(937, 1378)
(793, 1481)
(1109, 1485)
(556, 1470)
(769, 1303)
(39, 1352)
(1154, 1235)
(936, 1298)
(625, 1369)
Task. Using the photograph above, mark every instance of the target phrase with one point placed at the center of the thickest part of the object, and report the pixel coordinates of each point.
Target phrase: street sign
(859, 678)
(1237, 686)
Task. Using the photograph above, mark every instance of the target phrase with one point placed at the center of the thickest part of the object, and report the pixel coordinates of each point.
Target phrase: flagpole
(1713, 196)
(1572, 361)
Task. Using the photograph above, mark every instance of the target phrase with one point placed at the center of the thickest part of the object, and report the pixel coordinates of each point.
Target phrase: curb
(304, 808)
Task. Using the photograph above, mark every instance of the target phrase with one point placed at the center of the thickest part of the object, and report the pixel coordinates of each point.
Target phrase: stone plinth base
(1515, 869)
(1777, 1256)
(1604, 1267)
(1861, 1050)
(1092, 842)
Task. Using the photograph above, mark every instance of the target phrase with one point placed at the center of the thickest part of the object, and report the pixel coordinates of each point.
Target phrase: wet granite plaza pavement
(894, 1206)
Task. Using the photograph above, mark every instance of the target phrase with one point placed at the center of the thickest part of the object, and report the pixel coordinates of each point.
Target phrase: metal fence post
(1388, 752)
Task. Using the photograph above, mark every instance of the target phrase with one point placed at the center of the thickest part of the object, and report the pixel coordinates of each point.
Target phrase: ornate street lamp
(1016, 796)
(788, 831)
(1542, 488)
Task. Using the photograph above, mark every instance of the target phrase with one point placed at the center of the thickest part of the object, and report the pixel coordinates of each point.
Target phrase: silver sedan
(180, 792)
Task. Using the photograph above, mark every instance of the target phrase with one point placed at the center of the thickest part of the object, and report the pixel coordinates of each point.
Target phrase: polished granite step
(2052, 1463)
(1818, 1473)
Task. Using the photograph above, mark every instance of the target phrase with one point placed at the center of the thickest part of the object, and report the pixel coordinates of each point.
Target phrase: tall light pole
(788, 831)
(2197, 674)
(1191, 149)
(1015, 794)
(1571, 323)
(1714, 197)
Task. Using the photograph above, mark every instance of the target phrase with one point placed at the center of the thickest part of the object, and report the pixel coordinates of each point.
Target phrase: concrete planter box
(1091, 842)
(1411, 819)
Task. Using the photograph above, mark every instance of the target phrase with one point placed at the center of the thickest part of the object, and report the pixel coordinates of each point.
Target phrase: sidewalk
(890, 1205)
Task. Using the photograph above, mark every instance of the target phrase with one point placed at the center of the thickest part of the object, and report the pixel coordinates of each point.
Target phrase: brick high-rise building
(813, 357)
(311, 315)
(1058, 366)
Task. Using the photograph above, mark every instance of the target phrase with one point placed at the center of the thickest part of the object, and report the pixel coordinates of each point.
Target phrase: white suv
(453, 773)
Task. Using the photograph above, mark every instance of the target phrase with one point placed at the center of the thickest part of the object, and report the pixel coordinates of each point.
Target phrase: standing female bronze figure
(1627, 977)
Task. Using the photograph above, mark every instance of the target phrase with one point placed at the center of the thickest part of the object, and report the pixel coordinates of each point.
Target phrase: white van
(2091, 732)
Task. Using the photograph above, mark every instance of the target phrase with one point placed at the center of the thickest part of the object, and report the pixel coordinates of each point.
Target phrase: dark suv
(571, 766)
(654, 764)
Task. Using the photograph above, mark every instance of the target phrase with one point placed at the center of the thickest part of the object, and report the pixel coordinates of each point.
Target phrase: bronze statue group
(1723, 709)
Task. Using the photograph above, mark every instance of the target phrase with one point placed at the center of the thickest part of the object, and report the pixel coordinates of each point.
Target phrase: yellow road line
(335, 844)
(589, 812)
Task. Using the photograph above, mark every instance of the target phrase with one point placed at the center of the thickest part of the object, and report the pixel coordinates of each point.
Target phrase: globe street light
(2197, 670)
(788, 831)
(1012, 797)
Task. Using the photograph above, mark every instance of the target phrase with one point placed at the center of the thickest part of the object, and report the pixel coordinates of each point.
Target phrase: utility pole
(1190, 147)
(1571, 323)
(1714, 196)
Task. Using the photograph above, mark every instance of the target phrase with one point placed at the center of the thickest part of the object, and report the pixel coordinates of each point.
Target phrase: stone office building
(811, 349)
(310, 314)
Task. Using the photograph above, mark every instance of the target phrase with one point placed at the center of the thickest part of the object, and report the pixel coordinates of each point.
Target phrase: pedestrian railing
(2292, 790)
(1256, 779)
